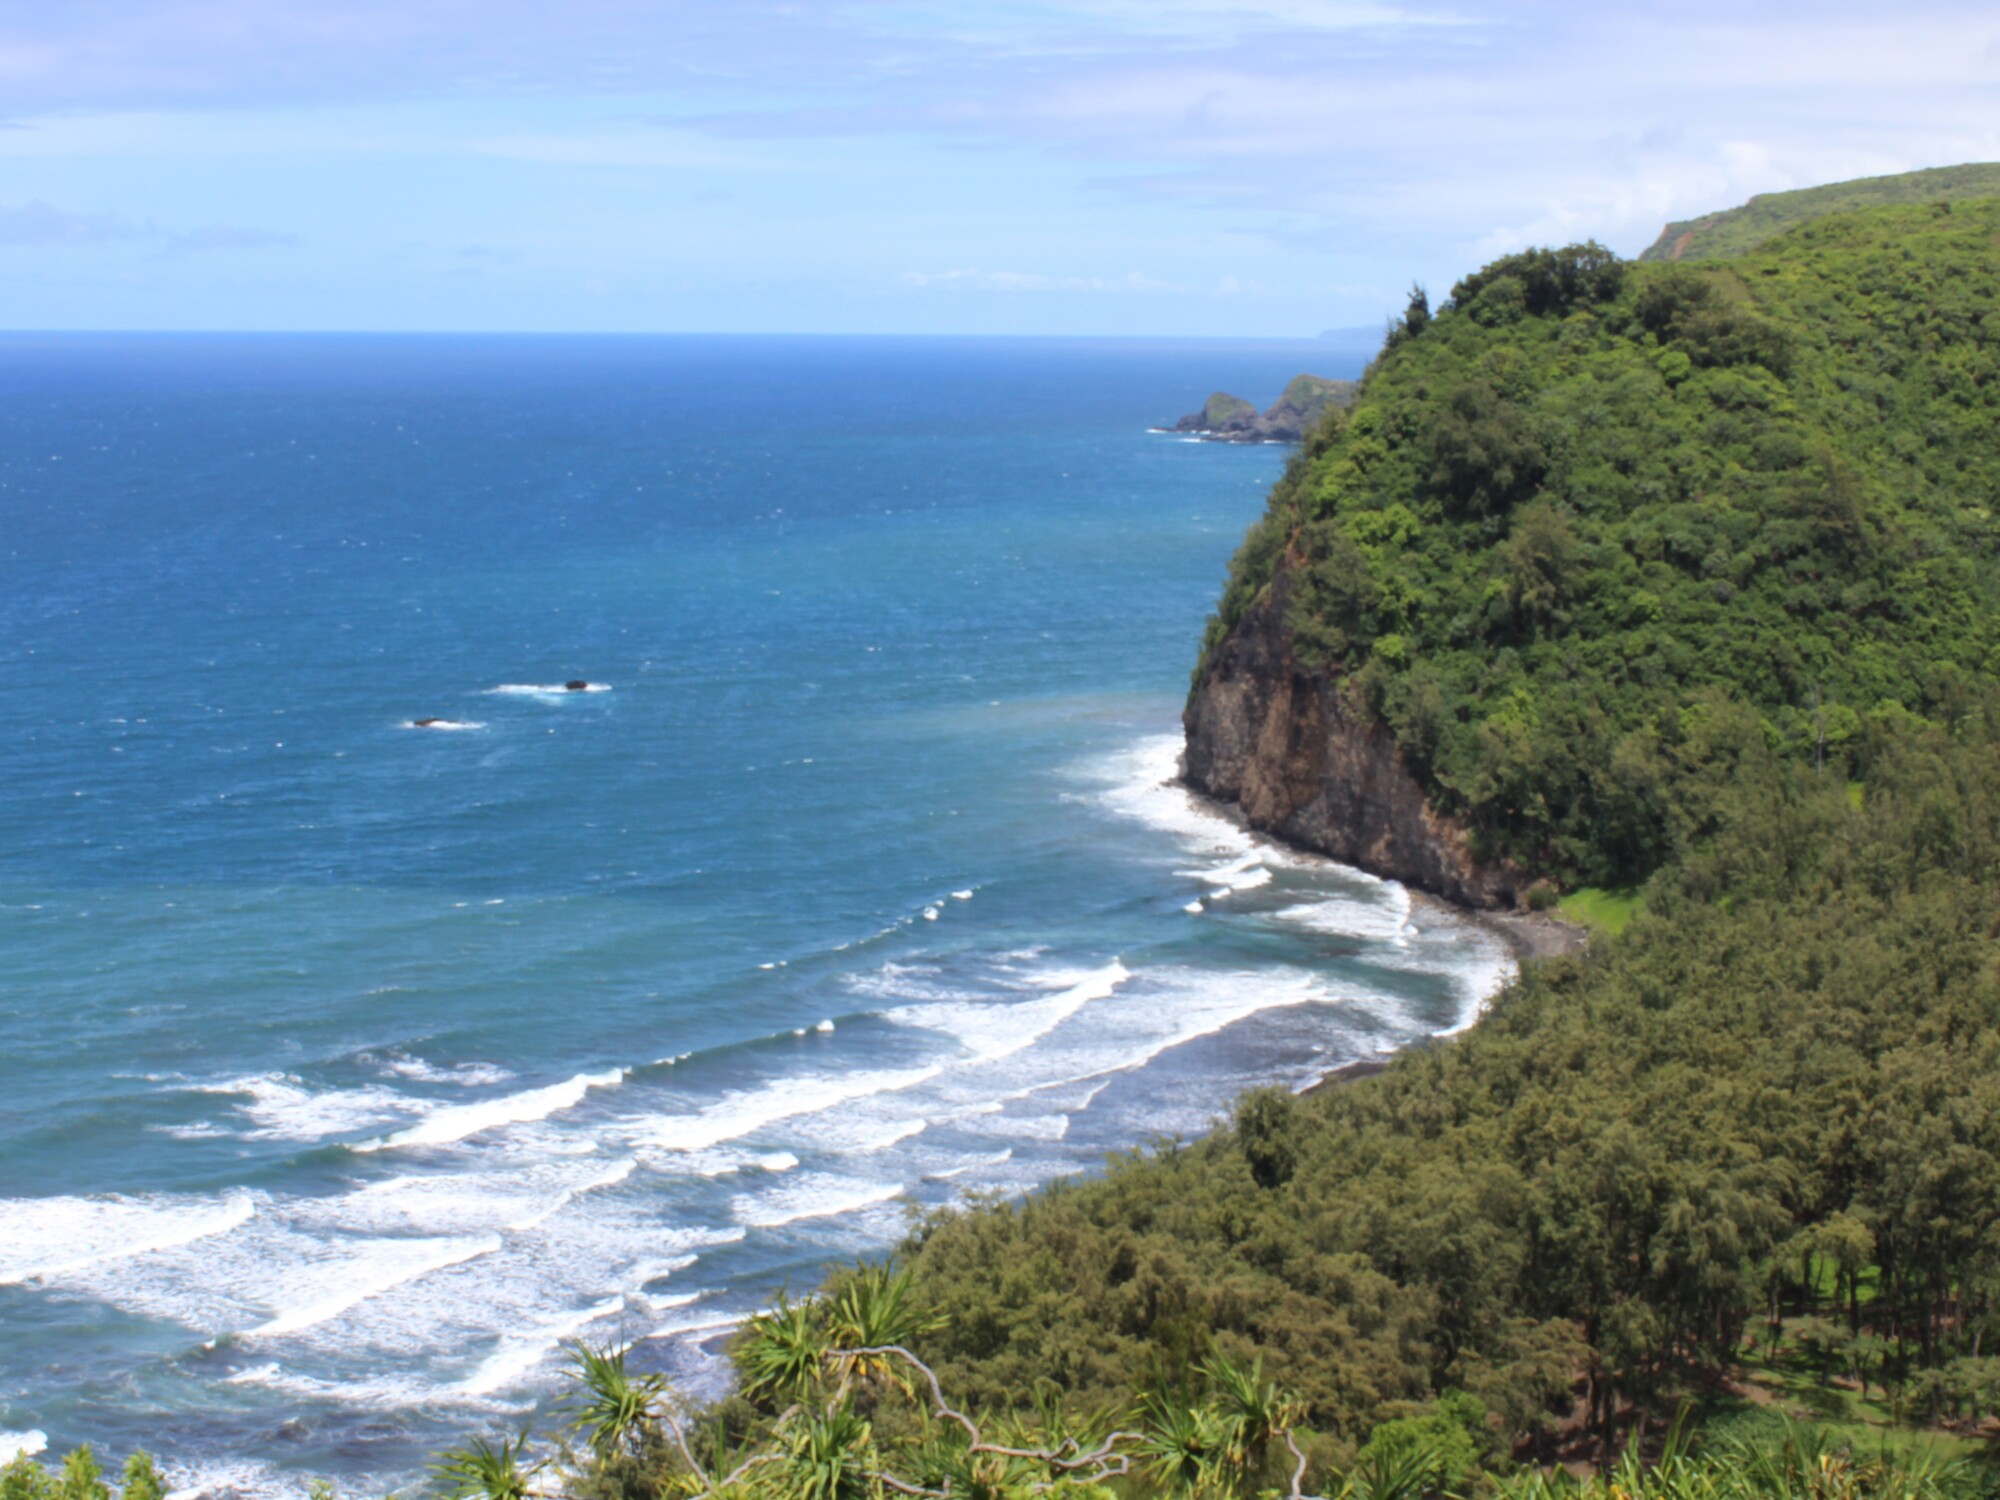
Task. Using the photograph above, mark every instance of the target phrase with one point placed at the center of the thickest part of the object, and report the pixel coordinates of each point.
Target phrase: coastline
(1529, 936)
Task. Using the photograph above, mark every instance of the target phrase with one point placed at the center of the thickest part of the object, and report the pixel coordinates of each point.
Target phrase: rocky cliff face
(1309, 765)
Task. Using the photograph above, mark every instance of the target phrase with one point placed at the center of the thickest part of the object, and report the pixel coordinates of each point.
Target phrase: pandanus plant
(783, 1353)
(482, 1471)
(614, 1410)
(876, 1313)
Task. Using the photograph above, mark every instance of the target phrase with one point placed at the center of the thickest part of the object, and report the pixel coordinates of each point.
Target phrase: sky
(1265, 168)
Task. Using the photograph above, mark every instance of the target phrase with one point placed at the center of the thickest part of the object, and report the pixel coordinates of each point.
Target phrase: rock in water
(1230, 419)
(1216, 413)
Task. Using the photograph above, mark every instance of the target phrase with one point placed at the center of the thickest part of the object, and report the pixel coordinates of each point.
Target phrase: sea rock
(576, 685)
(1219, 410)
(1305, 761)
(1230, 419)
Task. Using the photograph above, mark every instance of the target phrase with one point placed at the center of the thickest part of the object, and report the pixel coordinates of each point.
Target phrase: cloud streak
(972, 279)
(817, 149)
(40, 224)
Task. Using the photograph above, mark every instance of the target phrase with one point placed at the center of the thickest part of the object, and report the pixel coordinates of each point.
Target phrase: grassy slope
(1738, 230)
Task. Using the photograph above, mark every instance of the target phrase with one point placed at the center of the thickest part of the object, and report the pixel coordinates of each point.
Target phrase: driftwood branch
(1065, 1456)
(1068, 1460)
(1298, 1474)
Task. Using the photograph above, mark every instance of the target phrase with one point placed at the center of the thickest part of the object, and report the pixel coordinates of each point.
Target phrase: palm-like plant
(1814, 1464)
(1185, 1445)
(1254, 1413)
(831, 1457)
(615, 1408)
(1415, 1472)
(782, 1352)
(877, 1310)
(481, 1471)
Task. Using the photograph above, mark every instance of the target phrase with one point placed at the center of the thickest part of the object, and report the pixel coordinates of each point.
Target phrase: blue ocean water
(348, 1068)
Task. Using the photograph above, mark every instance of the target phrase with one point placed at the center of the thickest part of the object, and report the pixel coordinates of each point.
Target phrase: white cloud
(973, 279)
(39, 223)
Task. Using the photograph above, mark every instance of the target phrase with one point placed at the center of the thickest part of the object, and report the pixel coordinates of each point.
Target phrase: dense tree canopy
(1784, 1076)
(1585, 491)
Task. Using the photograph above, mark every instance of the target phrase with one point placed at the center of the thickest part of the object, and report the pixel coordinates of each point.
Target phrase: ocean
(349, 1069)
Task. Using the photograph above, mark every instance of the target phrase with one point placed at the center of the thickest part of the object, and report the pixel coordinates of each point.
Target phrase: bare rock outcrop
(1305, 761)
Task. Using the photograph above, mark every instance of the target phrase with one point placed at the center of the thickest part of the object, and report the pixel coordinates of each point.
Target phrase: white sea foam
(442, 724)
(547, 689)
(383, 1265)
(861, 1134)
(993, 1029)
(1050, 1127)
(1242, 874)
(27, 1444)
(230, 1479)
(696, 1323)
(512, 1199)
(286, 1108)
(518, 1357)
(1146, 791)
(1382, 916)
(611, 1176)
(54, 1237)
(465, 1074)
(455, 1122)
(819, 1196)
(739, 1114)
(379, 1394)
(946, 1174)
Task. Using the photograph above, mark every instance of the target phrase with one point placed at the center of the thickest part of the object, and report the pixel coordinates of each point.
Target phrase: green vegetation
(1607, 911)
(80, 1477)
(1585, 497)
(1589, 1205)
(1681, 585)
(1219, 408)
(1306, 396)
(1737, 231)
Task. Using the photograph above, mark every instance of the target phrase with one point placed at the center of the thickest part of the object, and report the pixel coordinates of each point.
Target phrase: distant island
(1224, 418)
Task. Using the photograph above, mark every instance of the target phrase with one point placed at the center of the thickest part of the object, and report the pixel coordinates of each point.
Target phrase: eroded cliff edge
(1306, 763)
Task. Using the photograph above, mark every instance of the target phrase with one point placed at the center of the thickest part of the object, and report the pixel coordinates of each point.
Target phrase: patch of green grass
(1607, 910)
(1737, 231)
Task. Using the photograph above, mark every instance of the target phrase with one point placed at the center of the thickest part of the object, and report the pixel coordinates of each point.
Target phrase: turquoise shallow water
(348, 1068)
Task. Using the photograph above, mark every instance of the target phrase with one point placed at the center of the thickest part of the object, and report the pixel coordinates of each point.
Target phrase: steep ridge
(1488, 632)
(1735, 231)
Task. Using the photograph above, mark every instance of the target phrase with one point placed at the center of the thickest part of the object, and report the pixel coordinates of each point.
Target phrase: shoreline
(1530, 936)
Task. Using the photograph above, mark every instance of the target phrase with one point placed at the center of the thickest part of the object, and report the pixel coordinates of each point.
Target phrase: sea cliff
(1304, 761)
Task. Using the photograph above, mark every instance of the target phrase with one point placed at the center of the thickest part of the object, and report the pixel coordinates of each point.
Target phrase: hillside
(1737, 231)
(1481, 637)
